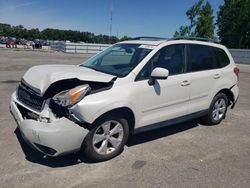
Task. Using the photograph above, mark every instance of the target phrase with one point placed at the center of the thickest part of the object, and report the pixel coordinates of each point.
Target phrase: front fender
(113, 106)
(93, 106)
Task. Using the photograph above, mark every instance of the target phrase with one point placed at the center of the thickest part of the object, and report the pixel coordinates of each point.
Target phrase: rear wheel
(107, 138)
(217, 110)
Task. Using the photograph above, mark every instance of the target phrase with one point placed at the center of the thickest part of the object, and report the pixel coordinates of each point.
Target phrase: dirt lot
(182, 155)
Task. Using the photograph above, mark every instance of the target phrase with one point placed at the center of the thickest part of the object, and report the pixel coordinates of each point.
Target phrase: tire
(106, 139)
(217, 110)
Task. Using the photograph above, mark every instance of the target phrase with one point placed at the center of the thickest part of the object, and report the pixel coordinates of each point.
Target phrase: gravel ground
(182, 155)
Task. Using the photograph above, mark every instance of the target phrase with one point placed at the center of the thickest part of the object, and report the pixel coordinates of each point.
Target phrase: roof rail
(149, 38)
(195, 38)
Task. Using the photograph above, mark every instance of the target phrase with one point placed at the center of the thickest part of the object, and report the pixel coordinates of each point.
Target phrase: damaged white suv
(131, 86)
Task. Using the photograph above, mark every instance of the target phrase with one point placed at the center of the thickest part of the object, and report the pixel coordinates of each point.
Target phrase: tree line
(55, 34)
(233, 23)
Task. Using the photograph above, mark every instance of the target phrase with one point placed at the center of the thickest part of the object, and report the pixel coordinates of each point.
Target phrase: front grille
(29, 97)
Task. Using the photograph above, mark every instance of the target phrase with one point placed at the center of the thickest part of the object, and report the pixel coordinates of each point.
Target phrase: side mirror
(158, 74)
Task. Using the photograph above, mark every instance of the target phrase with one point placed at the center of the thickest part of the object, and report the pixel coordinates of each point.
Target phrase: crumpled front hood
(42, 76)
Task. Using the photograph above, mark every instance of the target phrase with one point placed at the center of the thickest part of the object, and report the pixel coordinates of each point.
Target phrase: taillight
(237, 72)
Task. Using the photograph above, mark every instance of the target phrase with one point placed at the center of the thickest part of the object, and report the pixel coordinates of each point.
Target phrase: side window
(169, 57)
(221, 58)
(201, 57)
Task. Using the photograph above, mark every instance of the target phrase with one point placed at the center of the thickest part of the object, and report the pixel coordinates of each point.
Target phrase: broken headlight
(72, 96)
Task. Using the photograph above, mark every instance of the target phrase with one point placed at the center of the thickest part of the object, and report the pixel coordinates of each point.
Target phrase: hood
(42, 76)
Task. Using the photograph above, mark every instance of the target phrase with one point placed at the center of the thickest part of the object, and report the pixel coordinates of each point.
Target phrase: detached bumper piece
(235, 91)
(54, 137)
(46, 150)
(234, 103)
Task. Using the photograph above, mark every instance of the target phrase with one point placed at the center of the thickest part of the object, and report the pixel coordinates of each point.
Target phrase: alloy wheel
(108, 137)
(219, 109)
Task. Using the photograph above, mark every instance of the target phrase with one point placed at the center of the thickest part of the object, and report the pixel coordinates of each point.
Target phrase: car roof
(188, 40)
(146, 42)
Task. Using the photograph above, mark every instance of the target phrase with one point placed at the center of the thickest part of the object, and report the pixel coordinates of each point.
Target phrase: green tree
(183, 31)
(125, 38)
(205, 22)
(5, 29)
(201, 19)
(234, 23)
(192, 15)
(54, 34)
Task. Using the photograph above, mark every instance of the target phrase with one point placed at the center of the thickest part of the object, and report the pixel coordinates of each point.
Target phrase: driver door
(166, 99)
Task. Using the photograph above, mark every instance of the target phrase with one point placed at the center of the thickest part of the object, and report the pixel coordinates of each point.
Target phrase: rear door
(204, 74)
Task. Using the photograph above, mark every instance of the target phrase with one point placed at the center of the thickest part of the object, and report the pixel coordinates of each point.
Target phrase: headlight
(72, 96)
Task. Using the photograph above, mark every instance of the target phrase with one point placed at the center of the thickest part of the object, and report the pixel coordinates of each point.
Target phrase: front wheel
(107, 138)
(217, 110)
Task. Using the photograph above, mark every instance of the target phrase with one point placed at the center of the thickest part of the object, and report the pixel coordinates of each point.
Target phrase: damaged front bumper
(52, 137)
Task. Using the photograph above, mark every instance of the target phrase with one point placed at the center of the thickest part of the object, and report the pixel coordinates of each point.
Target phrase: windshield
(118, 60)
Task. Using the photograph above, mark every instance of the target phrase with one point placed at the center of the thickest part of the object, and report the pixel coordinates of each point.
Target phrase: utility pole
(117, 32)
(111, 21)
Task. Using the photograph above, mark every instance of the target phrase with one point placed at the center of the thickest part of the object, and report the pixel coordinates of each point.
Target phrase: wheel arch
(127, 112)
(228, 93)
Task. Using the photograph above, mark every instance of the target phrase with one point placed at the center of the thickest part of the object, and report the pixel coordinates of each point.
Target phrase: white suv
(131, 86)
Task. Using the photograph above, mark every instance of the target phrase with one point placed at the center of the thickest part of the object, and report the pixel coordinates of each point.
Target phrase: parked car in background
(11, 43)
(26, 43)
(30, 43)
(18, 41)
(130, 87)
(23, 42)
(3, 40)
(44, 42)
(37, 44)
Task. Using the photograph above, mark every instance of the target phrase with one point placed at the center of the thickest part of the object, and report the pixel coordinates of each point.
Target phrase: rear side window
(221, 57)
(203, 57)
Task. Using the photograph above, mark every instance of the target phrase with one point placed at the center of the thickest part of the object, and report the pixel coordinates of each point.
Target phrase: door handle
(216, 76)
(185, 83)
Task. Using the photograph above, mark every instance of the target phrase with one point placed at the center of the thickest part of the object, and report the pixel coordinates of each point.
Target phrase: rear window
(203, 57)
